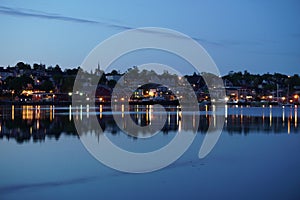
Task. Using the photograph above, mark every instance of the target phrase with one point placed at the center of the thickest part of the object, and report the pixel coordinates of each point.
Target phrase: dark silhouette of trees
(23, 66)
(19, 83)
(47, 86)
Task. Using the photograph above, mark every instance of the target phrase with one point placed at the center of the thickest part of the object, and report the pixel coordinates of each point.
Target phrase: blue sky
(258, 36)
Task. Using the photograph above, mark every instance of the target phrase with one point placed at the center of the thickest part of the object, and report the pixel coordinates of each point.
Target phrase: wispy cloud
(21, 12)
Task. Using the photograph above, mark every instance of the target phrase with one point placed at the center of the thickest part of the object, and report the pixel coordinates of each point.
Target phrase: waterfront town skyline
(36, 83)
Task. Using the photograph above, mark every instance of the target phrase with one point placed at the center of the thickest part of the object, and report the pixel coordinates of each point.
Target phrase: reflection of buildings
(24, 123)
(272, 120)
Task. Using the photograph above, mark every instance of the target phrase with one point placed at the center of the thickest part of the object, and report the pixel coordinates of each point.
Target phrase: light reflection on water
(34, 121)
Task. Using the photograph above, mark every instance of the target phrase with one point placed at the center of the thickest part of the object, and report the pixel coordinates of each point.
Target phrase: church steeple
(98, 70)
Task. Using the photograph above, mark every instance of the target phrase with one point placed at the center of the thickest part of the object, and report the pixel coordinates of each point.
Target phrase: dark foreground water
(256, 157)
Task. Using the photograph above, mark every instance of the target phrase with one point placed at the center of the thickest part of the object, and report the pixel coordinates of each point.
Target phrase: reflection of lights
(289, 125)
(38, 112)
(290, 118)
(12, 112)
(76, 113)
(226, 99)
(283, 115)
(150, 113)
(53, 111)
(263, 115)
(100, 109)
(37, 124)
(122, 110)
(87, 111)
(27, 112)
(70, 112)
(242, 115)
(296, 116)
(80, 112)
(226, 111)
(270, 115)
(214, 115)
(194, 120)
(179, 118)
(50, 113)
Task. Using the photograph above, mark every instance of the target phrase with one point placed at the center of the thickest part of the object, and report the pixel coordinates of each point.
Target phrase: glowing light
(151, 93)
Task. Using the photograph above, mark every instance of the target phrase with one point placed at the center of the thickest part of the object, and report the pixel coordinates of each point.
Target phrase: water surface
(256, 157)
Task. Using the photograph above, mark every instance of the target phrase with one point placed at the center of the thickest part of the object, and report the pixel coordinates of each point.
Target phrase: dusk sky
(258, 36)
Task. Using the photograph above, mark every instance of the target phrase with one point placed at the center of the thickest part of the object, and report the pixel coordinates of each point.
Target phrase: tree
(67, 84)
(23, 66)
(18, 83)
(111, 83)
(47, 85)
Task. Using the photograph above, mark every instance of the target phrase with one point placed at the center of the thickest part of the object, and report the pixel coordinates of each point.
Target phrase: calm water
(256, 157)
